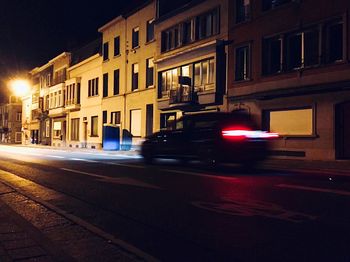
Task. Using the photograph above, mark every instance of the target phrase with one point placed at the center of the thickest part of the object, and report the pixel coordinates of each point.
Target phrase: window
(18, 137)
(47, 128)
(205, 25)
(150, 30)
(293, 122)
(187, 32)
(171, 38)
(48, 80)
(75, 129)
(204, 75)
(334, 41)
(135, 37)
(149, 72)
(105, 51)
(116, 82)
(117, 46)
(135, 77)
(93, 87)
(272, 55)
(18, 117)
(135, 122)
(302, 49)
(57, 127)
(242, 10)
(180, 81)
(104, 117)
(60, 76)
(94, 126)
(271, 4)
(242, 69)
(105, 85)
(167, 120)
(115, 117)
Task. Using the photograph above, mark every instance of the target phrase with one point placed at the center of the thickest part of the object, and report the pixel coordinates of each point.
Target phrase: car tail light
(241, 133)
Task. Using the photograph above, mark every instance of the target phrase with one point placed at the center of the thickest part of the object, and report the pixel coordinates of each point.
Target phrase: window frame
(249, 62)
(105, 85)
(116, 46)
(135, 37)
(135, 77)
(92, 132)
(74, 135)
(149, 73)
(105, 51)
(266, 120)
(150, 28)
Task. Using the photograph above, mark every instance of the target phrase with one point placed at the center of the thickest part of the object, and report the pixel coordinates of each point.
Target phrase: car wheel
(208, 157)
(148, 156)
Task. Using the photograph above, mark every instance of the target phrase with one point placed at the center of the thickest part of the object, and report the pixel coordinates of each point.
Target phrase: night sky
(34, 31)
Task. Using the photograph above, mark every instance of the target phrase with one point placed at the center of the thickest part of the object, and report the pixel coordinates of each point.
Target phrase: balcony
(181, 96)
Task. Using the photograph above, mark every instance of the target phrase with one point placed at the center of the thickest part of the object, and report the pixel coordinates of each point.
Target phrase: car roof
(217, 115)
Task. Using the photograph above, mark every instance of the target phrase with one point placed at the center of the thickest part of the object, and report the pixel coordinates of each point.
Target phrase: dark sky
(34, 31)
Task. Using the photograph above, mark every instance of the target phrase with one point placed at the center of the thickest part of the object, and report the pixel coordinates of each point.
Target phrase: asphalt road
(190, 213)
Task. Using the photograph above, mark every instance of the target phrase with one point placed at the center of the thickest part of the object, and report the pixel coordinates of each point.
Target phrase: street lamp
(20, 87)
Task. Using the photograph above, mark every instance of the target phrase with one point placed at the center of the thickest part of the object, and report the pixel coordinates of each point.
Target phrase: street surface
(188, 213)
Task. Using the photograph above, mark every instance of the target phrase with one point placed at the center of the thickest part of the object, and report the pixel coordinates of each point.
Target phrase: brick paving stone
(20, 243)
(13, 197)
(36, 259)
(5, 259)
(9, 228)
(28, 252)
(13, 236)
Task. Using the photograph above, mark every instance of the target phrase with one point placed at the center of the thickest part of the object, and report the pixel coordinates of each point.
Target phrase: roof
(86, 51)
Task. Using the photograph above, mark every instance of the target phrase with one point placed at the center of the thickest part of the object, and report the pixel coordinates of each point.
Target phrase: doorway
(342, 130)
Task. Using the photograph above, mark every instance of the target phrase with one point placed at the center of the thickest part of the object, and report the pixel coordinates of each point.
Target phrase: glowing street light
(20, 87)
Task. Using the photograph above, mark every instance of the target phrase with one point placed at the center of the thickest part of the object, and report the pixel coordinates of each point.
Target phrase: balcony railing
(181, 95)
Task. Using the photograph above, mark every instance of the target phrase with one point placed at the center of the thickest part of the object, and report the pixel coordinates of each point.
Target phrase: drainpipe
(125, 76)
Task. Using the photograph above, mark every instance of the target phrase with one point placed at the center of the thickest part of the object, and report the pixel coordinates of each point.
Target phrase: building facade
(129, 93)
(191, 59)
(83, 99)
(289, 68)
(11, 121)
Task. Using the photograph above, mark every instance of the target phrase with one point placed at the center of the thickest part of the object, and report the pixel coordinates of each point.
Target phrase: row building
(284, 65)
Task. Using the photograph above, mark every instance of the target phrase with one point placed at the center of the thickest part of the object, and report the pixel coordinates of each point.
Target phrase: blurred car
(210, 137)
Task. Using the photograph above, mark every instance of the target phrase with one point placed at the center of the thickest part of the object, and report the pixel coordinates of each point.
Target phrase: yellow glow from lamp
(20, 87)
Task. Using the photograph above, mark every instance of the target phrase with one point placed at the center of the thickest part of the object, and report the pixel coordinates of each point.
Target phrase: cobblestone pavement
(32, 232)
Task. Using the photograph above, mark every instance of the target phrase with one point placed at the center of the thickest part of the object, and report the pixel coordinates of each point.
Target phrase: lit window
(297, 122)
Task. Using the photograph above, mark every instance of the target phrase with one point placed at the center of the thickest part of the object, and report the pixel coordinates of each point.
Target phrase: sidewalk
(336, 167)
(21, 241)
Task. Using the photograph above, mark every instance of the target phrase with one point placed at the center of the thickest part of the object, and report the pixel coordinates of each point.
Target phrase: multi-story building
(83, 97)
(11, 121)
(289, 68)
(128, 84)
(46, 124)
(56, 100)
(191, 58)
